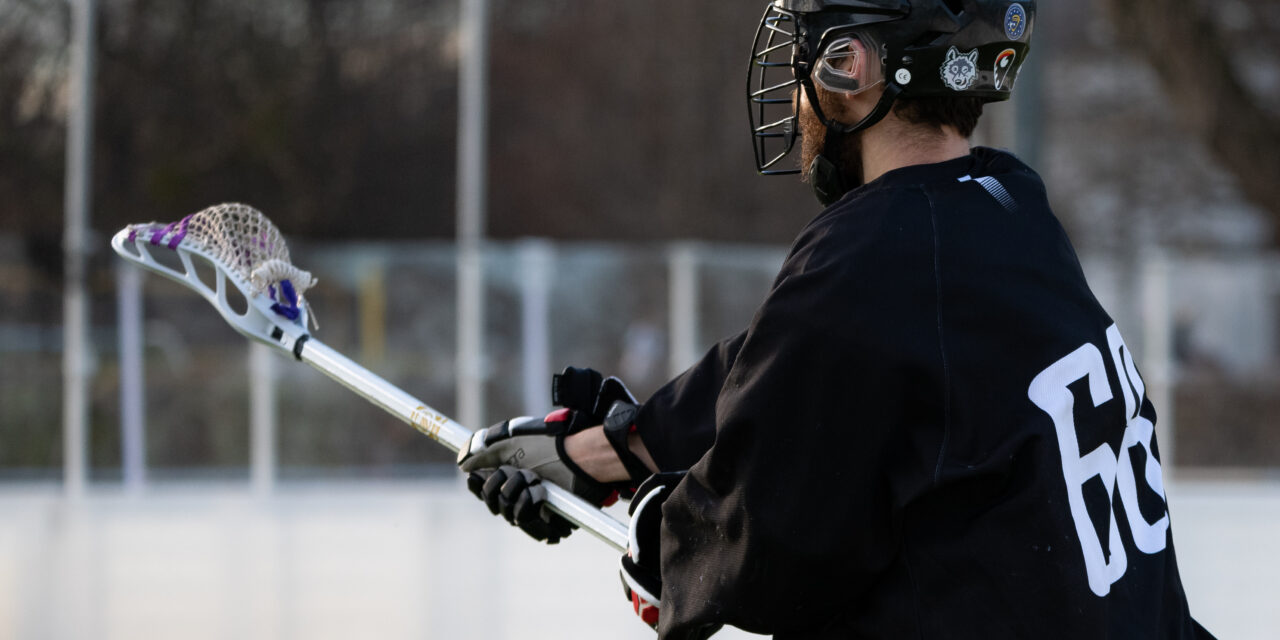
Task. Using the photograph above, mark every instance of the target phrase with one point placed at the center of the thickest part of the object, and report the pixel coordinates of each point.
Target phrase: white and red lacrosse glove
(508, 462)
(641, 570)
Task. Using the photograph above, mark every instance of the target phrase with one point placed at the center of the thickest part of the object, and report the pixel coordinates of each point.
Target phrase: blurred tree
(335, 118)
(31, 116)
(310, 109)
(629, 121)
(338, 118)
(1202, 54)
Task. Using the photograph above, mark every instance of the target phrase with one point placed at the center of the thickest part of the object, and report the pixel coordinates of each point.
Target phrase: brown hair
(961, 112)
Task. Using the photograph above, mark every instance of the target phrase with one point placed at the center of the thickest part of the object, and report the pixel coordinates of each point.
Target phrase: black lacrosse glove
(519, 496)
(508, 462)
(642, 563)
(608, 402)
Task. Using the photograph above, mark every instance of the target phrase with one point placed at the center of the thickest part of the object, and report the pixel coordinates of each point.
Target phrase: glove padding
(587, 391)
(519, 496)
(494, 455)
(641, 570)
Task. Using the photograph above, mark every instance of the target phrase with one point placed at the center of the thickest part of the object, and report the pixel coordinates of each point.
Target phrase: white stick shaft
(449, 433)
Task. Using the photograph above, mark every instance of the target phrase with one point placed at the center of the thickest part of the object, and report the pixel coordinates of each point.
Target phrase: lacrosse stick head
(242, 249)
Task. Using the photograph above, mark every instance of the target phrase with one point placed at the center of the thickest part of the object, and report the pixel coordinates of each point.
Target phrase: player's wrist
(619, 426)
(592, 453)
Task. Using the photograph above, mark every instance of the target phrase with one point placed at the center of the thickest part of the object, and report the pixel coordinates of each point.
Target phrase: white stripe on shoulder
(996, 190)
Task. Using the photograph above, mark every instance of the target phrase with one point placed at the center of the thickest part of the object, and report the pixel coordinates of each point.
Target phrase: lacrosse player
(930, 429)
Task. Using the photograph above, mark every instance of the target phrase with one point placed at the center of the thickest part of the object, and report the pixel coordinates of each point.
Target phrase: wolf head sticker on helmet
(959, 71)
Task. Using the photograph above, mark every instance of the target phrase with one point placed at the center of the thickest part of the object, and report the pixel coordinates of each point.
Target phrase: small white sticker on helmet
(903, 77)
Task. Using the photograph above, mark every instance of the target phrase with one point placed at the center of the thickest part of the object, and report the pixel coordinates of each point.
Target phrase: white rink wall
(425, 560)
(389, 561)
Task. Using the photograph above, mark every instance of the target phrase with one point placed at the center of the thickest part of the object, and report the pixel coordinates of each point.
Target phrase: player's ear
(855, 62)
(848, 65)
(850, 69)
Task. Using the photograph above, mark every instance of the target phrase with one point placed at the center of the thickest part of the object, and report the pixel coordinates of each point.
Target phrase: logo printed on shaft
(960, 70)
(426, 420)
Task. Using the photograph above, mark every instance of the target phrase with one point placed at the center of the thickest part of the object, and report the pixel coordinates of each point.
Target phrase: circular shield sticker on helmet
(1015, 21)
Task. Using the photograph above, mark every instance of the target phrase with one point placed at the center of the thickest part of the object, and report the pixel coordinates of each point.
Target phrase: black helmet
(916, 48)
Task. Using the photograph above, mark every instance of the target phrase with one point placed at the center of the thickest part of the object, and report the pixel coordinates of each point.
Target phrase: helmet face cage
(771, 90)
(782, 64)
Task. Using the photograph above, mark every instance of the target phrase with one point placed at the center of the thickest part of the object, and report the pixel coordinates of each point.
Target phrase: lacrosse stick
(246, 251)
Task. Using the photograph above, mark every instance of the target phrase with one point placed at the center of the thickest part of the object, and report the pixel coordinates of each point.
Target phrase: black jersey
(930, 429)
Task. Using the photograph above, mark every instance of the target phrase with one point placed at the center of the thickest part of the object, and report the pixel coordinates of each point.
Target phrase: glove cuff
(643, 590)
(618, 425)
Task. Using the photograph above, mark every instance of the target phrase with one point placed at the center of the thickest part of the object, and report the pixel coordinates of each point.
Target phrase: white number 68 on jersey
(1049, 391)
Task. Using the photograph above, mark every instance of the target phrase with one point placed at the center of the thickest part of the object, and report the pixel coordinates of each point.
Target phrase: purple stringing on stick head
(291, 311)
(160, 233)
(182, 233)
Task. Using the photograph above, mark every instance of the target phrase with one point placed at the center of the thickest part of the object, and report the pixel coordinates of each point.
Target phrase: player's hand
(508, 462)
(519, 496)
(641, 565)
(588, 392)
(609, 403)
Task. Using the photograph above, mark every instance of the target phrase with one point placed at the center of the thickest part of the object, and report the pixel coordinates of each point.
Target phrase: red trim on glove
(559, 415)
(647, 612)
(650, 615)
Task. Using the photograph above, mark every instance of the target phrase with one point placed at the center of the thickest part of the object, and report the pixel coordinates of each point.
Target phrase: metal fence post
(1157, 339)
(262, 419)
(682, 266)
(536, 256)
(133, 414)
(473, 80)
(77, 356)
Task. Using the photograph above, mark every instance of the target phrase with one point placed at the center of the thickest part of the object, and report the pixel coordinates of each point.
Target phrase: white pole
(682, 267)
(133, 415)
(1157, 318)
(76, 355)
(262, 419)
(535, 290)
(473, 68)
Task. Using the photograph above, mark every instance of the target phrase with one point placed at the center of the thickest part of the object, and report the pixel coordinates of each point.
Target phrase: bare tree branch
(1200, 75)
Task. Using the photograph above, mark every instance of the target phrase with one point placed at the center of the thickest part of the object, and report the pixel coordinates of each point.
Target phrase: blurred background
(160, 478)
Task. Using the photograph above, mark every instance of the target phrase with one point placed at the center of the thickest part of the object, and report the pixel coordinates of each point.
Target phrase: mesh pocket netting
(238, 237)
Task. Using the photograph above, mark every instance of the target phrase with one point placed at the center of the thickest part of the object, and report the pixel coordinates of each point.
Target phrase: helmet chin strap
(825, 175)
